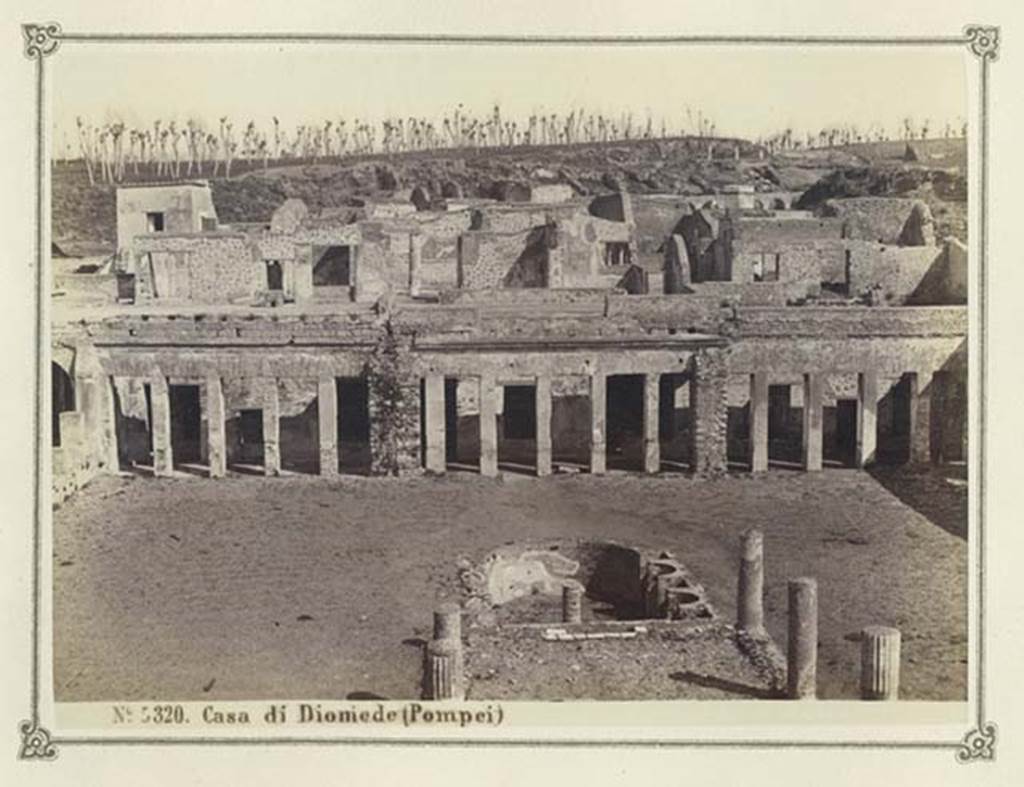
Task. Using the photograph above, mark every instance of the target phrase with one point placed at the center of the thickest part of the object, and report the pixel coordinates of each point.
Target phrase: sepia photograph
(496, 375)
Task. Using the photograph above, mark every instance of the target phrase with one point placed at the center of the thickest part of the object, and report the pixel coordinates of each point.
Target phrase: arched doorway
(62, 398)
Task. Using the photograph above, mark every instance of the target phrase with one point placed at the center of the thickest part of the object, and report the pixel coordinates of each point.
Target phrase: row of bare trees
(832, 136)
(167, 149)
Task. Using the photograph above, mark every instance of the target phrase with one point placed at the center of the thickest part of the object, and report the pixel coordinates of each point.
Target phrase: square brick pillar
(709, 411)
(95, 400)
(327, 423)
(543, 409)
(652, 444)
(434, 416)
(598, 425)
(813, 422)
(109, 425)
(920, 417)
(216, 430)
(160, 399)
(488, 427)
(867, 418)
(415, 262)
(758, 422)
(271, 429)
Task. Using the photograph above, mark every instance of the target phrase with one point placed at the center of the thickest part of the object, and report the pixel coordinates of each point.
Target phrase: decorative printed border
(43, 40)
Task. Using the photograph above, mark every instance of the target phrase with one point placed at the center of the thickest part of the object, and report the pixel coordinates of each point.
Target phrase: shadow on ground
(939, 492)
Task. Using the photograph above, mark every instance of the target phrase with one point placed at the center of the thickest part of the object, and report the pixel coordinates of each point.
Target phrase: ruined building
(545, 332)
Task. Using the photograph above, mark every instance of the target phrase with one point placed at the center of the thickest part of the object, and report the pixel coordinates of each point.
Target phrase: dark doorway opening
(299, 440)
(517, 428)
(785, 427)
(625, 419)
(841, 433)
(894, 422)
(451, 419)
(354, 424)
(332, 266)
(62, 393)
(244, 434)
(520, 412)
(275, 276)
(186, 424)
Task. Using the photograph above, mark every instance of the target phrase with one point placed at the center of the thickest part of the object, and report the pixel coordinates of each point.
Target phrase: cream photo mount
(978, 743)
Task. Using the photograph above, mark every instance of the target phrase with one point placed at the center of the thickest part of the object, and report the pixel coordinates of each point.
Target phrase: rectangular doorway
(186, 424)
(353, 424)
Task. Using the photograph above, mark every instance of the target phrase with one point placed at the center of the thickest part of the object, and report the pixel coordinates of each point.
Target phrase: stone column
(543, 409)
(598, 426)
(802, 653)
(216, 430)
(434, 414)
(160, 405)
(758, 422)
(109, 427)
(94, 396)
(920, 417)
(867, 417)
(652, 443)
(303, 277)
(488, 427)
(879, 663)
(271, 429)
(750, 603)
(327, 421)
(813, 417)
(709, 412)
(572, 603)
(444, 673)
(415, 262)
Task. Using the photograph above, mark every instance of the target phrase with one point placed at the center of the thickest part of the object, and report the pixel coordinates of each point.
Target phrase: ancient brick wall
(757, 294)
(811, 262)
(490, 260)
(773, 232)
(439, 264)
(656, 219)
(394, 403)
(182, 205)
(73, 464)
(878, 219)
(839, 322)
(208, 268)
(896, 271)
(709, 412)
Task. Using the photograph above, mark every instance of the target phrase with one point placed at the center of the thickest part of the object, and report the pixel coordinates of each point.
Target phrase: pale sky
(748, 91)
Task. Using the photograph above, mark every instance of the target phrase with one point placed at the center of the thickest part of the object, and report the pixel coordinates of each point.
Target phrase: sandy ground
(189, 589)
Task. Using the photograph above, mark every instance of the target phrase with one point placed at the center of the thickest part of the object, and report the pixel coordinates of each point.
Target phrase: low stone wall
(838, 322)
(73, 464)
(94, 287)
(757, 294)
(525, 298)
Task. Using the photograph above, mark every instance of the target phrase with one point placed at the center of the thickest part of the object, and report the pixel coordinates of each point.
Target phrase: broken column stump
(443, 677)
(802, 653)
(879, 663)
(444, 670)
(572, 604)
(750, 604)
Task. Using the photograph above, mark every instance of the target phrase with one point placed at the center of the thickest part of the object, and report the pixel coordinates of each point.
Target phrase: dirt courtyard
(191, 589)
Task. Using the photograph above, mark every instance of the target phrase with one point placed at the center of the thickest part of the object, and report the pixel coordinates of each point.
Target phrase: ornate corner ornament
(978, 744)
(983, 41)
(35, 742)
(41, 40)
